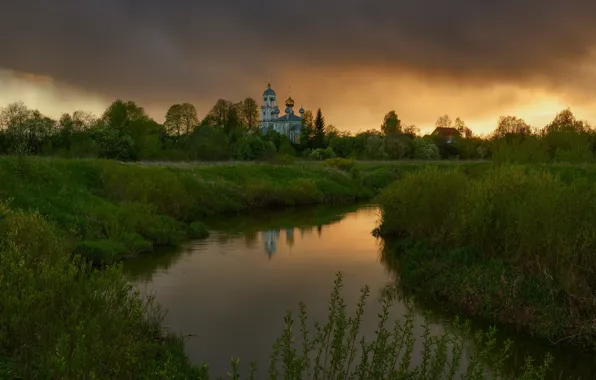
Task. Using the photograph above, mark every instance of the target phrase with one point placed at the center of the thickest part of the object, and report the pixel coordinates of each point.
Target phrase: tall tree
(462, 128)
(511, 125)
(319, 131)
(120, 114)
(250, 113)
(181, 119)
(565, 121)
(411, 130)
(444, 122)
(218, 116)
(13, 115)
(391, 123)
(308, 131)
(173, 122)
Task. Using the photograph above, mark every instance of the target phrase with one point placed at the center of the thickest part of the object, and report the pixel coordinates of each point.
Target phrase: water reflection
(233, 289)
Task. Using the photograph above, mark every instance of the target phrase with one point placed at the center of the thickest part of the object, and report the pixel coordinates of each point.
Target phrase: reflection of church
(270, 241)
(270, 238)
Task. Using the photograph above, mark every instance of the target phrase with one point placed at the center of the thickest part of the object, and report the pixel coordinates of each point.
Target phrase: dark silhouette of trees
(319, 130)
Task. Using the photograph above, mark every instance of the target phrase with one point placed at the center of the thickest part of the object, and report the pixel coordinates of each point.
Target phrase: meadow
(68, 312)
(510, 244)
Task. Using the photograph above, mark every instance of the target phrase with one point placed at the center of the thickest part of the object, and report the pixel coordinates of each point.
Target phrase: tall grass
(525, 236)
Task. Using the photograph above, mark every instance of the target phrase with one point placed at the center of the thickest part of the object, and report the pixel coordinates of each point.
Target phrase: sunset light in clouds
(356, 62)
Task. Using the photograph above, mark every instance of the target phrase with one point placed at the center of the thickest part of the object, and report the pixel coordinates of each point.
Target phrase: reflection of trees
(144, 266)
(290, 236)
(250, 239)
(569, 362)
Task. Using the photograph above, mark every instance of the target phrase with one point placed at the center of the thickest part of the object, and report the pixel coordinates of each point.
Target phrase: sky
(354, 59)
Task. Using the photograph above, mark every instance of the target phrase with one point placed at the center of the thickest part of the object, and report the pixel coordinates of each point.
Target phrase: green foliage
(62, 319)
(286, 148)
(534, 227)
(321, 154)
(113, 143)
(209, 143)
(198, 230)
(424, 149)
(252, 147)
(340, 163)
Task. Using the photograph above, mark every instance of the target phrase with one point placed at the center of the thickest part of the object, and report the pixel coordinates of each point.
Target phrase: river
(229, 293)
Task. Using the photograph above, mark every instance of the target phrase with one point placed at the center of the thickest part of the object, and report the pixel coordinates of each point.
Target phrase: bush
(322, 154)
(252, 147)
(340, 163)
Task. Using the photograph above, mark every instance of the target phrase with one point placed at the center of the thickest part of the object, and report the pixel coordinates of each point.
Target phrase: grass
(109, 211)
(512, 244)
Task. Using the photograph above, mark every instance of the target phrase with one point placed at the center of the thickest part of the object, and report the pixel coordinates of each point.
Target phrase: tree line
(230, 131)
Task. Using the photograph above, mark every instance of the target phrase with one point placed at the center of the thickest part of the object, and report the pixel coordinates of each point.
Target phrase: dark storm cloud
(163, 51)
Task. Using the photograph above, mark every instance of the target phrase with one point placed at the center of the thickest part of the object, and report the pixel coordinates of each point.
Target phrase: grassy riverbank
(62, 318)
(108, 210)
(512, 244)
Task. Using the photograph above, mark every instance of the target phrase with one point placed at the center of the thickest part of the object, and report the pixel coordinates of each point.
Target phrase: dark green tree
(391, 124)
(319, 130)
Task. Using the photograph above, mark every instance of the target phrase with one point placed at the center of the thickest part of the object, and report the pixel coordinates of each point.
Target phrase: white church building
(288, 124)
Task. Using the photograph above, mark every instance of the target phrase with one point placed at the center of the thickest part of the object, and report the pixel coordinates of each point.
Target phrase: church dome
(269, 91)
(277, 111)
(288, 110)
(301, 110)
(289, 102)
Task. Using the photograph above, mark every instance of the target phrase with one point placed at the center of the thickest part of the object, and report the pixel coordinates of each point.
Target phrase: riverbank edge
(461, 285)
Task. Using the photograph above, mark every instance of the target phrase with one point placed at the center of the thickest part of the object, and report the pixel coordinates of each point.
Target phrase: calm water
(231, 291)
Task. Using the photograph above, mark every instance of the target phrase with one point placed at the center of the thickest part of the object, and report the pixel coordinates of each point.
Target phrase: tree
(250, 113)
(444, 122)
(411, 130)
(565, 121)
(319, 131)
(308, 131)
(219, 114)
(461, 127)
(120, 114)
(512, 126)
(181, 119)
(13, 115)
(391, 124)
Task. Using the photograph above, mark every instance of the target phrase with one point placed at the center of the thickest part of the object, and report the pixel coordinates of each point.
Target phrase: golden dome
(289, 102)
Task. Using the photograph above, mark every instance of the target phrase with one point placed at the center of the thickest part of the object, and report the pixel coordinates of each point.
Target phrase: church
(288, 124)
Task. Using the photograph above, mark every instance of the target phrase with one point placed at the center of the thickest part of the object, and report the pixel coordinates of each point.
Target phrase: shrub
(340, 163)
